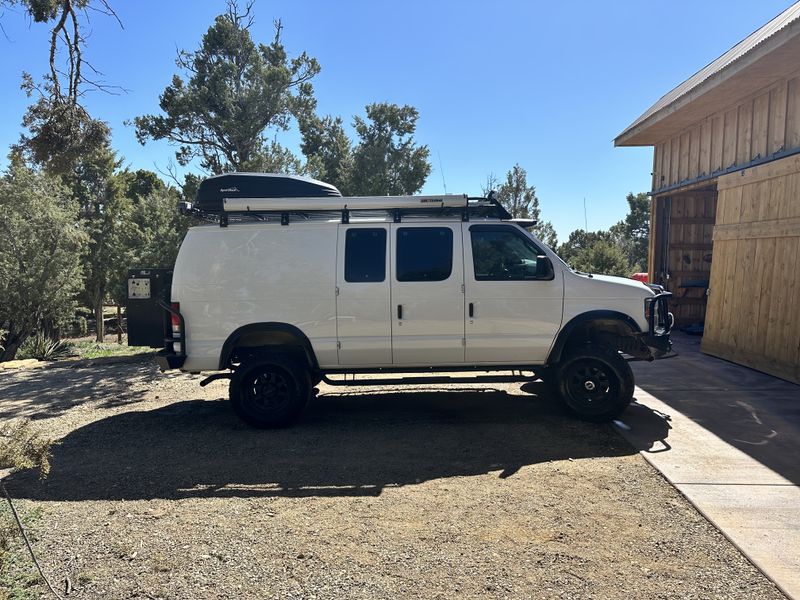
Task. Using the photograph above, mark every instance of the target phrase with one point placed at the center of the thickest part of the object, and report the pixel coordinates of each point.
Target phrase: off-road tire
(547, 377)
(595, 383)
(268, 392)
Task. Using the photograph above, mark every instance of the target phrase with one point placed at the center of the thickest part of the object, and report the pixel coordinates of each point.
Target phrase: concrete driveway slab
(731, 449)
(767, 507)
(689, 454)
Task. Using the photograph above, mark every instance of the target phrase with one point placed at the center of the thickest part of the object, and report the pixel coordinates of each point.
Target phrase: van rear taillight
(176, 322)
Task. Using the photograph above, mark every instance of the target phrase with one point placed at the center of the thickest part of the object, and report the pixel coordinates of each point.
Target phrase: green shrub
(82, 326)
(41, 272)
(41, 347)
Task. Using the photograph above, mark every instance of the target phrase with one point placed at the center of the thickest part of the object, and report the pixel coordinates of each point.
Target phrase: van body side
(251, 273)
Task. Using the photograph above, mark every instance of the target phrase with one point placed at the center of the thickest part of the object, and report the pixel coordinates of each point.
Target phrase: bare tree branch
(3, 29)
(54, 46)
(74, 41)
(106, 10)
(75, 58)
(170, 173)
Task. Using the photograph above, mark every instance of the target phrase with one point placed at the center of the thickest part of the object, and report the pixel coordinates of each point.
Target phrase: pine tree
(521, 201)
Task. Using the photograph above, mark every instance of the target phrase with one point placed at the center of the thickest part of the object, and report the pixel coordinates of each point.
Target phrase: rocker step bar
(434, 379)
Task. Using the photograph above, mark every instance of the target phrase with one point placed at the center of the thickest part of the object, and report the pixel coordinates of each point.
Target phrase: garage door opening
(683, 250)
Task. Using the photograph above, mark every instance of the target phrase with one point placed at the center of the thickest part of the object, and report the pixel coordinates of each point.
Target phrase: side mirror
(544, 267)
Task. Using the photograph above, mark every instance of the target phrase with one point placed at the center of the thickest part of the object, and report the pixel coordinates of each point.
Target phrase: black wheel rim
(268, 390)
(591, 385)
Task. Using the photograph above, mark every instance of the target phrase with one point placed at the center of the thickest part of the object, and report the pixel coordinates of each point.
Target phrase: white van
(290, 283)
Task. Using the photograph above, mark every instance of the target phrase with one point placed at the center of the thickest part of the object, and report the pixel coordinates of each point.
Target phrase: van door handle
(471, 310)
(399, 311)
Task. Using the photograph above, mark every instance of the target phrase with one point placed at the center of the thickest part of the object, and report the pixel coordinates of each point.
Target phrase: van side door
(427, 294)
(513, 311)
(363, 318)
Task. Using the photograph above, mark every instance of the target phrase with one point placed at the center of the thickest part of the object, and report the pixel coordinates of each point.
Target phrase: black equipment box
(213, 190)
(148, 322)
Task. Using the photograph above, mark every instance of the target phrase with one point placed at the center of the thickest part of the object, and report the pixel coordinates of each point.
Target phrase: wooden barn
(725, 224)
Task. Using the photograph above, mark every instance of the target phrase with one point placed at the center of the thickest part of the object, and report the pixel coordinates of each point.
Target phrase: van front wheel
(270, 392)
(595, 383)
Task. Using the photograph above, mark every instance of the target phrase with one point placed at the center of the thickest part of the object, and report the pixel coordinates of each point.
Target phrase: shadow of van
(349, 444)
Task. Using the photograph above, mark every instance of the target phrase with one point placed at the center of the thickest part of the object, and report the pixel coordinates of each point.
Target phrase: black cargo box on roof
(213, 190)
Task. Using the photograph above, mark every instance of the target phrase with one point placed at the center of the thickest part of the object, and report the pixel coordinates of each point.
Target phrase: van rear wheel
(595, 383)
(270, 392)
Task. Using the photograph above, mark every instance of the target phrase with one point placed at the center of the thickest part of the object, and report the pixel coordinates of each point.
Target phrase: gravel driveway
(158, 491)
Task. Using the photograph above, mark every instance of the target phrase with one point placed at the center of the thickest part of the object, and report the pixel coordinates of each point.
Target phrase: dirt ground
(158, 491)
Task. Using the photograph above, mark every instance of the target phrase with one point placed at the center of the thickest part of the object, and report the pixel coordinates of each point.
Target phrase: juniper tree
(41, 245)
(521, 201)
(232, 94)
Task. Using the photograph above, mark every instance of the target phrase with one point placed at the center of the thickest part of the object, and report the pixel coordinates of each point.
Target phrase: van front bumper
(660, 345)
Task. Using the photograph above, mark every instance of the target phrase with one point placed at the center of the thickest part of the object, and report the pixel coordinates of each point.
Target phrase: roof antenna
(444, 183)
(585, 220)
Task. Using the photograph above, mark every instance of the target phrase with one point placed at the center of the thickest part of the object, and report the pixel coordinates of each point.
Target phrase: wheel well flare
(267, 336)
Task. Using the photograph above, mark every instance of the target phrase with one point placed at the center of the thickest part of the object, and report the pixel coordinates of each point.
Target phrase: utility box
(148, 321)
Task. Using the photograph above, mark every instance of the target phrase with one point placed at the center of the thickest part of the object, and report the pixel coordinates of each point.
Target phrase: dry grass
(23, 447)
(18, 577)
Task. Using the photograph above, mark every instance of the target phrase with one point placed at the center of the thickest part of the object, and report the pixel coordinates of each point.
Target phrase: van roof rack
(269, 197)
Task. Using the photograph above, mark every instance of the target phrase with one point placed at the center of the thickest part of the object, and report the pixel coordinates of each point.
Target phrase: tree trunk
(11, 345)
(99, 324)
(50, 330)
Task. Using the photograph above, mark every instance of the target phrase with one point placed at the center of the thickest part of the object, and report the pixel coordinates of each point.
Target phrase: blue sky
(548, 85)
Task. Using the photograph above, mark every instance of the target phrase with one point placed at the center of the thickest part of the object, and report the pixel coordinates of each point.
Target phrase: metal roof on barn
(781, 33)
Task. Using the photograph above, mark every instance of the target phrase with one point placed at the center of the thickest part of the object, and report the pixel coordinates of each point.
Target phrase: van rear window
(424, 253)
(365, 255)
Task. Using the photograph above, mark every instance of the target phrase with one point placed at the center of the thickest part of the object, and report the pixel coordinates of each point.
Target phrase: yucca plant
(41, 347)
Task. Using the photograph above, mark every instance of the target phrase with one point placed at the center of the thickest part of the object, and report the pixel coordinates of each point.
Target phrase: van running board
(436, 379)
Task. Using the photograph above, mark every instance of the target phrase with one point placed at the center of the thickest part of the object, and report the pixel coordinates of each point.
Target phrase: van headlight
(652, 312)
(648, 308)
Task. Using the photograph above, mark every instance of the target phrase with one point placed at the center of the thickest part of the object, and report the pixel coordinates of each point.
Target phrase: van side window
(424, 253)
(501, 254)
(365, 255)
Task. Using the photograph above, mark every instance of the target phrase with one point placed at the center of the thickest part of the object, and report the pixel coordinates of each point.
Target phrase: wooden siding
(755, 280)
(757, 127)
